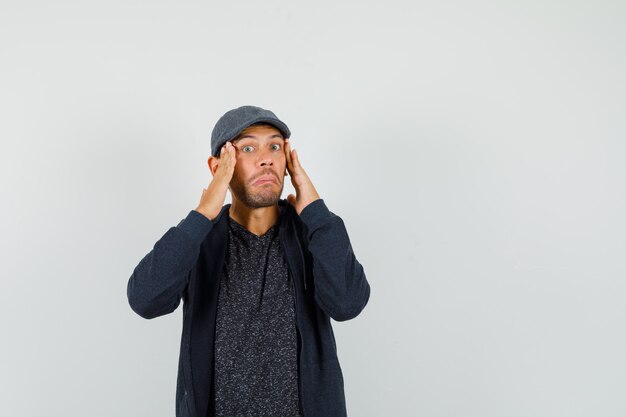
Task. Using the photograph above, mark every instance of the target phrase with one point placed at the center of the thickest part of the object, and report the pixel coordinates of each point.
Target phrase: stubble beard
(256, 197)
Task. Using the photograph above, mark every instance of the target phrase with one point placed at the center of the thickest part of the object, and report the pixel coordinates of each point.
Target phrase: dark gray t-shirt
(256, 371)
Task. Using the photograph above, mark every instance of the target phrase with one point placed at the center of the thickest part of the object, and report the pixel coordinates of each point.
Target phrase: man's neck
(256, 220)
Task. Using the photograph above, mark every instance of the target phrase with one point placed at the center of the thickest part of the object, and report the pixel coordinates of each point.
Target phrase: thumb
(292, 199)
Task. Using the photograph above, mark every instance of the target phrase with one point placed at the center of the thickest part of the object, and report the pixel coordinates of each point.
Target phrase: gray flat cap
(234, 121)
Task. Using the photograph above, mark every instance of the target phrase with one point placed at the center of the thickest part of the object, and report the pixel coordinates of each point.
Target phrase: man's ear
(213, 163)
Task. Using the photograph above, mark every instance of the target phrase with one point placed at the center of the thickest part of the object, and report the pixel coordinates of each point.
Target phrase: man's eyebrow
(276, 136)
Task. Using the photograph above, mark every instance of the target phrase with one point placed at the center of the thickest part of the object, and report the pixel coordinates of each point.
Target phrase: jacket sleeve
(341, 288)
(157, 283)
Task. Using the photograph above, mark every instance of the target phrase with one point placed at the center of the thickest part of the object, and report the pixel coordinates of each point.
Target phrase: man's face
(260, 155)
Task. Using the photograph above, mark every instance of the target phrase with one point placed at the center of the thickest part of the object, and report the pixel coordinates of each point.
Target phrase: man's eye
(244, 148)
(277, 146)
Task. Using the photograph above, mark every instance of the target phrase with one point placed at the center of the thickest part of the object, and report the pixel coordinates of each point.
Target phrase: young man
(260, 279)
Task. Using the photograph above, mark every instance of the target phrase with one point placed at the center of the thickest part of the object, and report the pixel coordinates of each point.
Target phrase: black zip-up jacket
(329, 282)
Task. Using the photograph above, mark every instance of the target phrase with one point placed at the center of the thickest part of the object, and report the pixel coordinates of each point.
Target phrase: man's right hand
(214, 196)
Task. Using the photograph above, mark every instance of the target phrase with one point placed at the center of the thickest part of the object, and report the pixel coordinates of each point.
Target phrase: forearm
(341, 287)
(157, 283)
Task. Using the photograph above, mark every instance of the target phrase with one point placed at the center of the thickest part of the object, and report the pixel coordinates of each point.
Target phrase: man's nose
(265, 158)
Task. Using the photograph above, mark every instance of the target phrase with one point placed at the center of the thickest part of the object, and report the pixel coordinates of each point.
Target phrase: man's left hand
(305, 191)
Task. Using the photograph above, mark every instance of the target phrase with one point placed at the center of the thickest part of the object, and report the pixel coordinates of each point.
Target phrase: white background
(475, 150)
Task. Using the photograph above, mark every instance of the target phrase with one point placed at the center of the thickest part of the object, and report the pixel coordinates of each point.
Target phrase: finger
(224, 156)
(288, 156)
(295, 161)
(227, 158)
(287, 151)
(232, 155)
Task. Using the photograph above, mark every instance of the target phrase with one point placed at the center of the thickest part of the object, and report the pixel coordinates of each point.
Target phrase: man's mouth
(265, 179)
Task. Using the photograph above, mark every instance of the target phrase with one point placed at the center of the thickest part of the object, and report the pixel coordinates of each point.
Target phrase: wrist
(206, 213)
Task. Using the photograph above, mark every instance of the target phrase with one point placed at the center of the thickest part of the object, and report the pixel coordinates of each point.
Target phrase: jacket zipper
(295, 310)
(301, 253)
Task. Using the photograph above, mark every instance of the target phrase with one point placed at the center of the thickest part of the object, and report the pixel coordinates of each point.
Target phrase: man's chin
(261, 200)
(257, 197)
